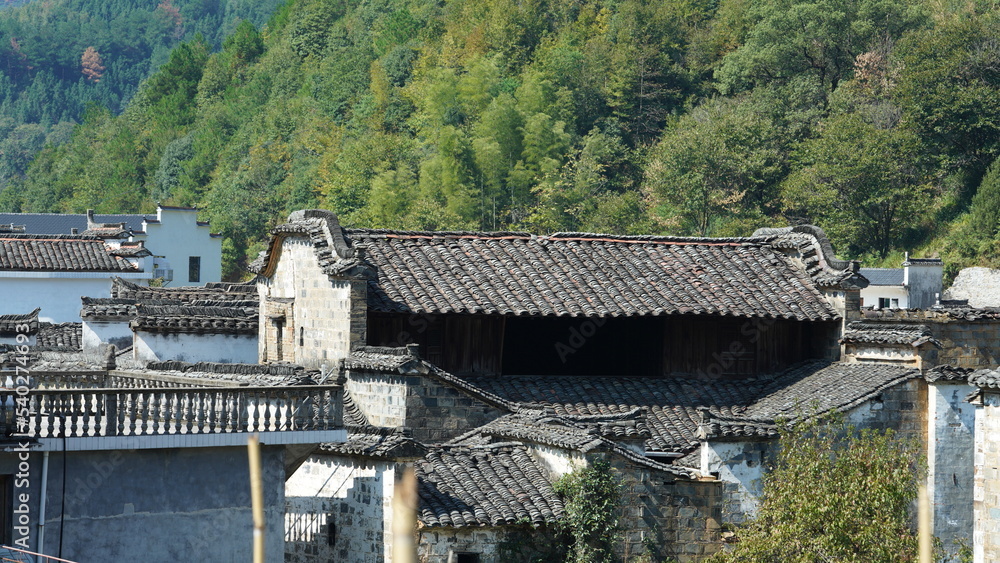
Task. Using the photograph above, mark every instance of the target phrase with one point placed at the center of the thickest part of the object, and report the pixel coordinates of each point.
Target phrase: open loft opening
(707, 345)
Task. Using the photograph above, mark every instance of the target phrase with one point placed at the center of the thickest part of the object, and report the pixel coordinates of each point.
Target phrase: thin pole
(924, 523)
(404, 517)
(256, 498)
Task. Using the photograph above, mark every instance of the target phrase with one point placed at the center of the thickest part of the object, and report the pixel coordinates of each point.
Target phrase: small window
(895, 303)
(194, 269)
(464, 557)
(302, 336)
(883, 302)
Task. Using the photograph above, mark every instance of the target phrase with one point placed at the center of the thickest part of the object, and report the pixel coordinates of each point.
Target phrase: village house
(185, 251)
(672, 357)
(916, 285)
(491, 364)
(212, 323)
(54, 271)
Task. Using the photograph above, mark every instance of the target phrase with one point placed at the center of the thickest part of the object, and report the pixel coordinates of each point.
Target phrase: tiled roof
(377, 443)
(59, 254)
(948, 373)
(387, 360)
(576, 274)
(888, 333)
(492, 485)
(672, 404)
(985, 378)
(9, 323)
(883, 276)
(131, 250)
(574, 433)
(103, 308)
(246, 374)
(806, 391)
(64, 223)
(333, 254)
(584, 275)
(196, 320)
(217, 291)
(817, 255)
(62, 336)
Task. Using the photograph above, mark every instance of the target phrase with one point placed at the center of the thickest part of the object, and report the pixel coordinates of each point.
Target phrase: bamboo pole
(404, 517)
(924, 526)
(256, 498)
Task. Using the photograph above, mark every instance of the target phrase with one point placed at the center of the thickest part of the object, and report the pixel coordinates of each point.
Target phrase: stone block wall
(679, 520)
(339, 508)
(437, 412)
(986, 493)
(902, 408)
(382, 397)
(436, 545)
(965, 341)
(324, 318)
(434, 411)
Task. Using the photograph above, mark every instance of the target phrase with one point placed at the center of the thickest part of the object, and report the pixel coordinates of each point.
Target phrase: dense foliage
(592, 497)
(834, 495)
(876, 119)
(57, 57)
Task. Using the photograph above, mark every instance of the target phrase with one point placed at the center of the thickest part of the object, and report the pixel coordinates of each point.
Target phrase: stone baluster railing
(169, 411)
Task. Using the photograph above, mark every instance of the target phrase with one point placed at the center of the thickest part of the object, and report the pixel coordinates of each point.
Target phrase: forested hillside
(57, 57)
(876, 119)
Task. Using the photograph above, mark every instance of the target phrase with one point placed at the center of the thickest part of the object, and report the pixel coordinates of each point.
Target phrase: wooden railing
(76, 413)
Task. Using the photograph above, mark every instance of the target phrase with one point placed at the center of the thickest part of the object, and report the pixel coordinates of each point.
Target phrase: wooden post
(924, 526)
(404, 517)
(256, 498)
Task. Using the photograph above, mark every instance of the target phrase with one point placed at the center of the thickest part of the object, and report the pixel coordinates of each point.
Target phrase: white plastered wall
(224, 348)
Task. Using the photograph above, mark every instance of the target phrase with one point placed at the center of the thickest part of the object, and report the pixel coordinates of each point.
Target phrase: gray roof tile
(59, 254)
(883, 276)
(492, 485)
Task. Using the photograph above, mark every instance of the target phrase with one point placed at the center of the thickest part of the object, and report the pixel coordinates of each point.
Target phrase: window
(279, 330)
(194, 269)
(883, 302)
(464, 557)
(895, 303)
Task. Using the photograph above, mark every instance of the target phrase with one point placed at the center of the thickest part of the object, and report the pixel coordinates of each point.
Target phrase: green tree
(835, 494)
(591, 496)
(713, 165)
(865, 185)
(818, 38)
(950, 89)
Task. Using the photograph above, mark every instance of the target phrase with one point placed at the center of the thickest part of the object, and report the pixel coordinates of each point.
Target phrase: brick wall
(434, 411)
(324, 318)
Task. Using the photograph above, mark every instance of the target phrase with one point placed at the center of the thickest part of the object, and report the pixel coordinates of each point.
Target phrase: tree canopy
(875, 119)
